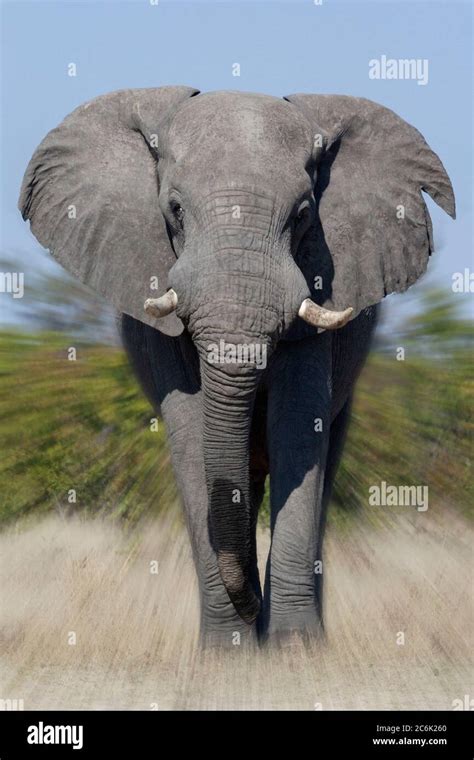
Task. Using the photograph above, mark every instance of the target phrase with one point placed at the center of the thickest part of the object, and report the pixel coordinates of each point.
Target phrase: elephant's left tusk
(318, 317)
(162, 306)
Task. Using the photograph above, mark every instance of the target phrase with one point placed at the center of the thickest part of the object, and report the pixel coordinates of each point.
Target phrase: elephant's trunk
(227, 408)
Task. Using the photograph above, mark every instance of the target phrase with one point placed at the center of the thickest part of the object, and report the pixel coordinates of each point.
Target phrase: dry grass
(137, 632)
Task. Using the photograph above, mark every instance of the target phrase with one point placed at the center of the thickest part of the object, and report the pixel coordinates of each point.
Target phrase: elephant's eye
(303, 213)
(178, 211)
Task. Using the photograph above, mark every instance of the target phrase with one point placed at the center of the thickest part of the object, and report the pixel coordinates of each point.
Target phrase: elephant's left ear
(375, 236)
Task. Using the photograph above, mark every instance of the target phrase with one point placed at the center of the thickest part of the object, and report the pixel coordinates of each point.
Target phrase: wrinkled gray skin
(255, 209)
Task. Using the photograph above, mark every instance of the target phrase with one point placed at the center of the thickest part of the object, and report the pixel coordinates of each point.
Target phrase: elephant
(247, 241)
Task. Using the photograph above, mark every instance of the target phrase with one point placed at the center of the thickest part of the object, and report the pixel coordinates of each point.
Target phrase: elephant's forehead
(238, 126)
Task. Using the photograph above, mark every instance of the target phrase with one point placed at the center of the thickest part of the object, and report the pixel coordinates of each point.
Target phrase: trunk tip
(239, 589)
(247, 607)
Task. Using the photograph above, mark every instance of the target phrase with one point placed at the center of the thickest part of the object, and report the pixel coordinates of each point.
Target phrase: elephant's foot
(289, 629)
(222, 628)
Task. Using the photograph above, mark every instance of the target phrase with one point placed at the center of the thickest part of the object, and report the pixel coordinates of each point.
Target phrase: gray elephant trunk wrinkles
(227, 411)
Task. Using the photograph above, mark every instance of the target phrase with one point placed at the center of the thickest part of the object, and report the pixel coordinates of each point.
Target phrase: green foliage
(82, 425)
(412, 425)
(413, 419)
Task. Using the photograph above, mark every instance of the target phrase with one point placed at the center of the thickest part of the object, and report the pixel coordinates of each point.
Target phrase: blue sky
(282, 47)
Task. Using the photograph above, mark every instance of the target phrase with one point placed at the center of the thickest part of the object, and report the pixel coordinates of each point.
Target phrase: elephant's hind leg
(337, 438)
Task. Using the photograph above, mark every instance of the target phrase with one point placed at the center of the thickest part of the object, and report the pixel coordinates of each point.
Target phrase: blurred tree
(56, 302)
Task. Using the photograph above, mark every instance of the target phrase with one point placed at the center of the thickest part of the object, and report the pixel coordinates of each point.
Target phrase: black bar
(155, 734)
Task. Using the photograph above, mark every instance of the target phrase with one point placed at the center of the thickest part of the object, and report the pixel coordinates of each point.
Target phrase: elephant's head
(227, 213)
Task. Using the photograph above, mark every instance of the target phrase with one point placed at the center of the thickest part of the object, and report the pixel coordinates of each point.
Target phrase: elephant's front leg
(299, 405)
(169, 373)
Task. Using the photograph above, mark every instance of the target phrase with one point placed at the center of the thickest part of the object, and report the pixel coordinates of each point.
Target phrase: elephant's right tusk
(319, 317)
(162, 306)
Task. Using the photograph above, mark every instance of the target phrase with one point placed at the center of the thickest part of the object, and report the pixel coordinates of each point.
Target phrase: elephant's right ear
(91, 194)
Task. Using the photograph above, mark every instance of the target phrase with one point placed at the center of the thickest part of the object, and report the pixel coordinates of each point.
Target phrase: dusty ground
(136, 631)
